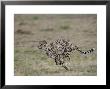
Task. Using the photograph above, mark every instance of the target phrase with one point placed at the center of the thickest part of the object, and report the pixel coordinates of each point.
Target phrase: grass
(35, 18)
(36, 63)
(20, 31)
(65, 27)
(22, 23)
(47, 29)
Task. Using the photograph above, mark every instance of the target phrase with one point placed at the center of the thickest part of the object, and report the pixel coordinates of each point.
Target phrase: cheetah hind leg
(65, 67)
(56, 62)
(62, 63)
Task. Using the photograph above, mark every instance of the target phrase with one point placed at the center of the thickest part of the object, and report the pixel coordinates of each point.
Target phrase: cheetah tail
(85, 52)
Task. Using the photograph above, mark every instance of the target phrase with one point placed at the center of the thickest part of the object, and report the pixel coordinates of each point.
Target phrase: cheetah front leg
(62, 63)
(56, 61)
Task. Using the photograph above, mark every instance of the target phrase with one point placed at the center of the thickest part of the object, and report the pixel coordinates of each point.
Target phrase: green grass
(35, 18)
(31, 62)
(22, 23)
(20, 31)
(65, 27)
(47, 29)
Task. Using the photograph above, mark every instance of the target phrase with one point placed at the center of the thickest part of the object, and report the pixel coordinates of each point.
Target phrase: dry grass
(79, 29)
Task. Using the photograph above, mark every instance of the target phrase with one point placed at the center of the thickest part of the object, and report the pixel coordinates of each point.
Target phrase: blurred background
(80, 29)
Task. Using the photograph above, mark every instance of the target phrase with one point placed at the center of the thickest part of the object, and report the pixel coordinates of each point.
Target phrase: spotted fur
(60, 50)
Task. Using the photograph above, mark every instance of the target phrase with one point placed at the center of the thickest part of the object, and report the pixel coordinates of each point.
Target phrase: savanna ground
(79, 29)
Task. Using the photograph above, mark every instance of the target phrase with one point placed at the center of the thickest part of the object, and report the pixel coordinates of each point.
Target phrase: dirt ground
(80, 29)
